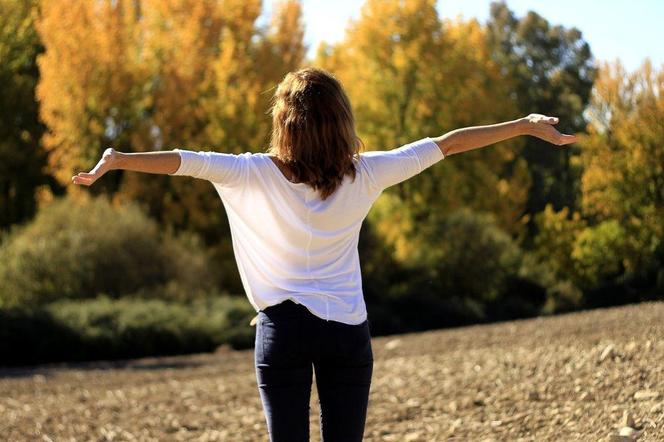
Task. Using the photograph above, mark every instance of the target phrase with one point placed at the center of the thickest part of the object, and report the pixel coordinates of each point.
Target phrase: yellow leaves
(240, 16)
(394, 224)
(557, 235)
(410, 75)
(503, 187)
(177, 73)
(466, 37)
(623, 153)
(400, 57)
(84, 73)
(180, 55)
(286, 35)
(17, 19)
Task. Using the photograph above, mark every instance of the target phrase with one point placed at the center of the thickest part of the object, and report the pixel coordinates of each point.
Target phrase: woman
(295, 214)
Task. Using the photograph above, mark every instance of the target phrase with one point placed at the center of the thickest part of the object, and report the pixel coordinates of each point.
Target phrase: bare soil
(562, 378)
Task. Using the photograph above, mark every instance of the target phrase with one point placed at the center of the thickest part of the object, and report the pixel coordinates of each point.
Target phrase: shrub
(463, 268)
(77, 249)
(104, 328)
(557, 233)
(599, 252)
(466, 255)
(563, 296)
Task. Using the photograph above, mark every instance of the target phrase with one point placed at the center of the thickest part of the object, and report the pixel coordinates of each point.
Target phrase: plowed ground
(564, 378)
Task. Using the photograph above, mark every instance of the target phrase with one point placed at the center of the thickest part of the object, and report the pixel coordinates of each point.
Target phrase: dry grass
(569, 377)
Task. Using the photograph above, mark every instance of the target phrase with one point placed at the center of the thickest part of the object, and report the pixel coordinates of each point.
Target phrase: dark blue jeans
(290, 340)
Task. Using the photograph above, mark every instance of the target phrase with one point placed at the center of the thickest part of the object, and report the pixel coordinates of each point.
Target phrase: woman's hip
(288, 332)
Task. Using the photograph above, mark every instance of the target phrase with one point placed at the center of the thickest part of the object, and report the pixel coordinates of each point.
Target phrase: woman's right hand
(109, 161)
(541, 126)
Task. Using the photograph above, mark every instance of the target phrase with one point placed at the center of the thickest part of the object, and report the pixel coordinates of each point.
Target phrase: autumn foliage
(562, 228)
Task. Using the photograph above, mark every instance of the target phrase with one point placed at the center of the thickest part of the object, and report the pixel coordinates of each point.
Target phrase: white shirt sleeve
(222, 168)
(389, 167)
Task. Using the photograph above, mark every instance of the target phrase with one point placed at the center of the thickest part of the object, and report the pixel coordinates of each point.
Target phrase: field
(563, 378)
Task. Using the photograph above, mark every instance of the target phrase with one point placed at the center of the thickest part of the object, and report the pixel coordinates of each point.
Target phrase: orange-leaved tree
(153, 75)
(623, 177)
(410, 75)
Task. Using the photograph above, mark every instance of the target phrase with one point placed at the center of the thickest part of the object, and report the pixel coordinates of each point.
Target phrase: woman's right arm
(469, 138)
(167, 162)
(389, 167)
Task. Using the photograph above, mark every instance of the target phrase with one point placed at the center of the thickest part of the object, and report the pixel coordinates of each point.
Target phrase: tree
(409, 75)
(623, 177)
(90, 90)
(550, 69)
(22, 157)
(612, 248)
(151, 75)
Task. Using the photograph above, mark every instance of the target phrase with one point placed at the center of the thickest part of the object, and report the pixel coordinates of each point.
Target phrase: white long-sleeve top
(290, 244)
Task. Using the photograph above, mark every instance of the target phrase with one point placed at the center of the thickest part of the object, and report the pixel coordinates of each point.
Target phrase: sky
(628, 30)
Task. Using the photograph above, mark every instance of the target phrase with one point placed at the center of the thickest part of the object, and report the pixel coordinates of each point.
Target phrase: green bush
(558, 295)
(466, 255)
(557, 232)
(462, 268)
(104, 328)
(422, 311)
(564, 296)
(599, 252)
(78, 249)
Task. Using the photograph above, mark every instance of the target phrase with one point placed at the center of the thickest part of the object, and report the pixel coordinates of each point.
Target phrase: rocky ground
(580, 376)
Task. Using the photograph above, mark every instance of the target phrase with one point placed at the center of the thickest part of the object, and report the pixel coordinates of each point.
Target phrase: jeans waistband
(285, 306)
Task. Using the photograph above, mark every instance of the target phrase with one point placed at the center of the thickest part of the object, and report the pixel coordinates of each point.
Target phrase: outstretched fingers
(84, 178)
(555, 137)
(103, 166)
(542, 127)
(567, 139)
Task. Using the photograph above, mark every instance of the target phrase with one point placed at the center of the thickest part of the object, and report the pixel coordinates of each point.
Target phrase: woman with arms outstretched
(295, 214)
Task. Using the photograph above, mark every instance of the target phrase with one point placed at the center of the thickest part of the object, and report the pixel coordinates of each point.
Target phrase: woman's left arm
(469, 138)
(167, 162)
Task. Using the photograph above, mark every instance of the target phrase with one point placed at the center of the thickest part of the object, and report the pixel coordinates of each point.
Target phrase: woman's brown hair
(313, 129)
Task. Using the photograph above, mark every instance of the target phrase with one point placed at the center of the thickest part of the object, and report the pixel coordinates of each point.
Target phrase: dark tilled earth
(564, 378)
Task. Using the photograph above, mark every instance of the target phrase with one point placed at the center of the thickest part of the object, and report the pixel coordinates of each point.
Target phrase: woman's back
(290, 243)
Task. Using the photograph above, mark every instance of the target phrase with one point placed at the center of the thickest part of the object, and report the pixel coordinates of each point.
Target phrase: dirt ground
(563, 378)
